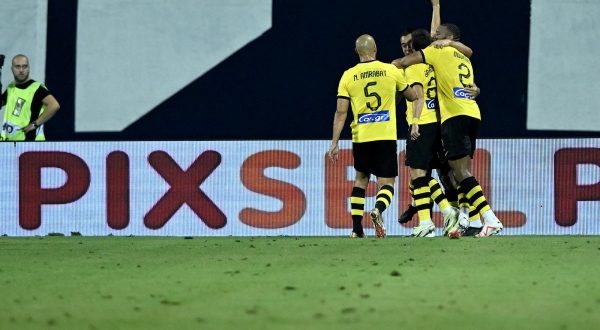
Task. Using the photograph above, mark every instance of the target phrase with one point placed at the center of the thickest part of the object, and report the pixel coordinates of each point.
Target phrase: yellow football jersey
(453, 71)
(371, 88)
(424, 75)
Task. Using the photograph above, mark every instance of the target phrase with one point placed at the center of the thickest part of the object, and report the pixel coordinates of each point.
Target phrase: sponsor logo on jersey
(460, 93)
(430, 104)
(9, 129)
(375, 117)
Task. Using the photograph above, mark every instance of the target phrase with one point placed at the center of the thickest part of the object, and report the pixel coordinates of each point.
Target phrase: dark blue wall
(283, 85)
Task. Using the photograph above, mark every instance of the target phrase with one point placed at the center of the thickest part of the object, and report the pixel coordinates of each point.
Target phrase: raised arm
(436, 18)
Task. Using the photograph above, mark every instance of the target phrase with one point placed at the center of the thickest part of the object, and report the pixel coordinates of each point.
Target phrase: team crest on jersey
(430, 104)
(375, 117)
(429, 70)
(460, 93)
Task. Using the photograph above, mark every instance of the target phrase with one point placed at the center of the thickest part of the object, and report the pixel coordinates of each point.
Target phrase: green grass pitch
(504, 282)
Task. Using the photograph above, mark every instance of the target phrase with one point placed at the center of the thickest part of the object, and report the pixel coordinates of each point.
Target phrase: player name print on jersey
(370, 74)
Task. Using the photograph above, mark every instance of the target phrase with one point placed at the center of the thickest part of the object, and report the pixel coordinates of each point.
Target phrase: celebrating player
(370, 86)
(460, 117)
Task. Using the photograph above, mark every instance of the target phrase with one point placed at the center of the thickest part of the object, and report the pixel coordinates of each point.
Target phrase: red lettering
(185, 190)
(253, 178)
(117, 190)
(31, 194)
(566, 190)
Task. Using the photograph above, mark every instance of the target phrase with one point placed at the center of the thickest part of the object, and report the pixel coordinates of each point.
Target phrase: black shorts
(376, 157)
(424, 153)
(458, 136)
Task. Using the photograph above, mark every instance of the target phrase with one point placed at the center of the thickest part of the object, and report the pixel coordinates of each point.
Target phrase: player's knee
(385, 182)
(417, 173)
(462, 174)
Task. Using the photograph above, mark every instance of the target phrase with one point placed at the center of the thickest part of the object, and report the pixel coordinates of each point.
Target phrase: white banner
(562, 65)
(23, 26)
(142, 52)
(256, 188)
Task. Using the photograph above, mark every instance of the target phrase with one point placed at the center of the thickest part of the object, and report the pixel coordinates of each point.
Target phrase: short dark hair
(407, 32)
(453, 29)
(420, 39)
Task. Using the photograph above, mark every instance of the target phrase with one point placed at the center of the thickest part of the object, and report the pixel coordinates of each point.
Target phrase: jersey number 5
(372, 94)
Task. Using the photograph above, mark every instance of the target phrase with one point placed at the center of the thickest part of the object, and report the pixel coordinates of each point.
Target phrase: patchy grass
(299, 283)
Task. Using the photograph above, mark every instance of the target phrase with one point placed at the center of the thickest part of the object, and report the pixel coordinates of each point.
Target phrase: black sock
(357, 200)
(384, 198)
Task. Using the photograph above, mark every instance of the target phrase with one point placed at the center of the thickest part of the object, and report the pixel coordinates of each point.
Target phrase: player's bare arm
(417, 106)
(464, 49)
(52, 107)
(436, 21)
(436, 18)
(408, 60)
(473, 90)
(343, 104)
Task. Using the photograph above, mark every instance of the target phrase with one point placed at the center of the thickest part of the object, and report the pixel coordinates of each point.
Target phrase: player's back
(453, 71)
(371, 87)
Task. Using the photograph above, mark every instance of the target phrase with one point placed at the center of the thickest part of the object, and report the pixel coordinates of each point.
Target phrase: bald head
(365, 45)
(20, 58)
(20, 68)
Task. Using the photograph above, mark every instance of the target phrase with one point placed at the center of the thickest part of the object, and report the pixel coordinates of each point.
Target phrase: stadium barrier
(271, 188)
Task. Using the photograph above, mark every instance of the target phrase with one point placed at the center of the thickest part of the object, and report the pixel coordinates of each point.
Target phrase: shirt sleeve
(343, 87)
(401, 84)
(36, 103)
(413, 76)
(430, 55)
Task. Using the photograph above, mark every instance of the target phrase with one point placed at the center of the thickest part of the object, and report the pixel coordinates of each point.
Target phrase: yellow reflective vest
(17, 113)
